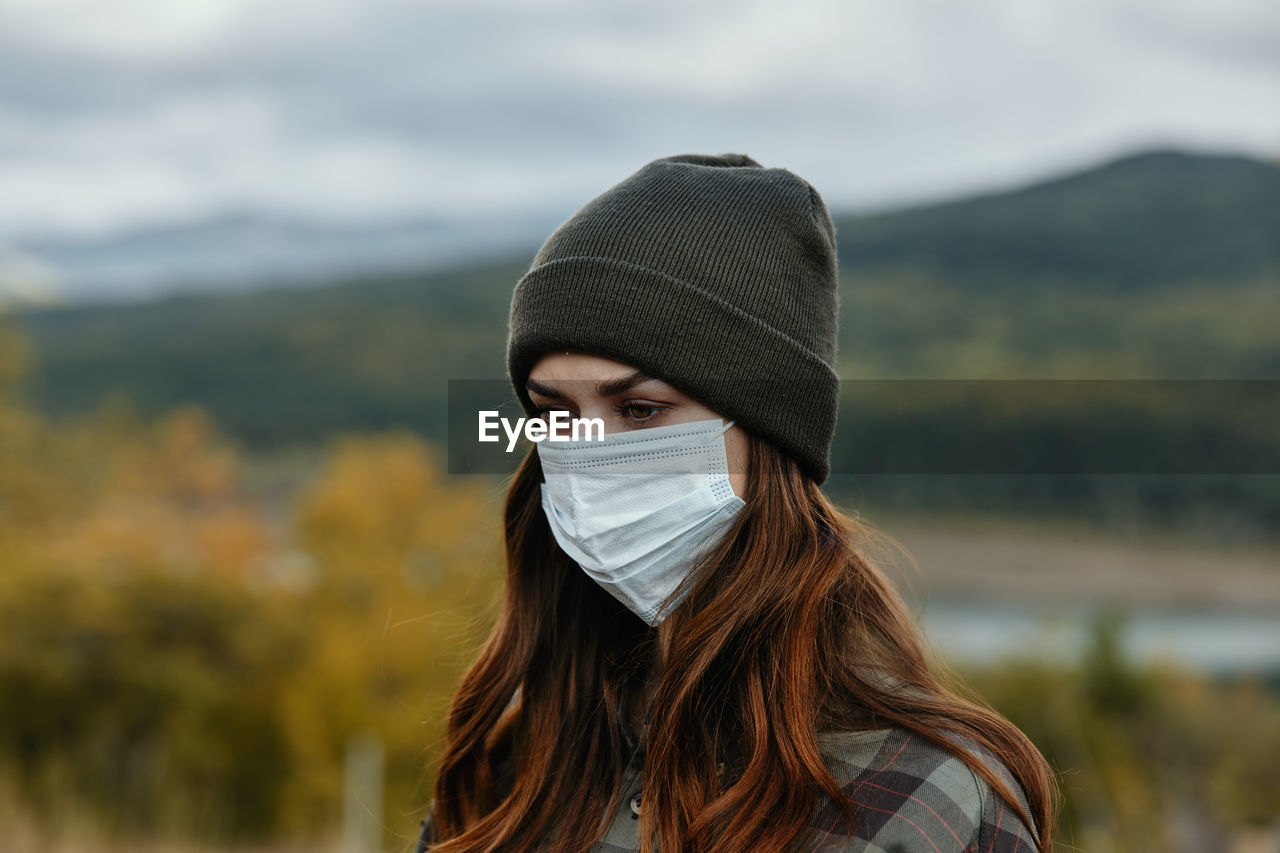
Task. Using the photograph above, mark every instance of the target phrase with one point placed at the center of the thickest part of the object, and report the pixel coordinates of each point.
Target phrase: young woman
(695, 652)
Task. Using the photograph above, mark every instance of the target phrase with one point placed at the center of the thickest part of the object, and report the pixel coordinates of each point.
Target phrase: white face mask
(637, 509)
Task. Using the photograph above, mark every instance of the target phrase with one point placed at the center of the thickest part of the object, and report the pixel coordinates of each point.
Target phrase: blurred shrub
(148, 698)
(1151, 758)
(180, 659)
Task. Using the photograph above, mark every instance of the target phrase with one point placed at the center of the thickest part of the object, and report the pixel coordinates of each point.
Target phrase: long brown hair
(788, 630)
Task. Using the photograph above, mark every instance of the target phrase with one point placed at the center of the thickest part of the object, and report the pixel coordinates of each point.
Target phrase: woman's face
(591, 386)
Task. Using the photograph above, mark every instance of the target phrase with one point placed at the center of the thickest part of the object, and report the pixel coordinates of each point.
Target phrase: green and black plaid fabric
(908, 794)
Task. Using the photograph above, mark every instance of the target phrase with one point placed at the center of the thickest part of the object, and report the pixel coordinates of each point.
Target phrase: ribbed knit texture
(711, 273)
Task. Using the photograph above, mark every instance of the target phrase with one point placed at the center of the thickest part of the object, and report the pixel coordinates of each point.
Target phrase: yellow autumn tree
(404, 566)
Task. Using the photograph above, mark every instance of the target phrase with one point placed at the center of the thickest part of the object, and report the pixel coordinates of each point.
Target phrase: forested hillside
(1162, 265)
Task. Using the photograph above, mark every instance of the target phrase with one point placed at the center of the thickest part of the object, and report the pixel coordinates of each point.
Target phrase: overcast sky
(117, 114)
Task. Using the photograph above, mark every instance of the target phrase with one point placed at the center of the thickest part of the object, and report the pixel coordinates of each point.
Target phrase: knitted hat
(711, 273)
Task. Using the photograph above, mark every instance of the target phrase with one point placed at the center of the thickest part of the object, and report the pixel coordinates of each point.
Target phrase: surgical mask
(637, 509)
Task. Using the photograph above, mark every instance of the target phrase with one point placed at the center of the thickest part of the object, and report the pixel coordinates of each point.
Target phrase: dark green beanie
(711, 273)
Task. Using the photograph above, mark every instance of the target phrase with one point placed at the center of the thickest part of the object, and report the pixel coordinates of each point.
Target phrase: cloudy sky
(121, 114)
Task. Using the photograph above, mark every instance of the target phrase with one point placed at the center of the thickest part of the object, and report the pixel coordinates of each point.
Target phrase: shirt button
(635, 804)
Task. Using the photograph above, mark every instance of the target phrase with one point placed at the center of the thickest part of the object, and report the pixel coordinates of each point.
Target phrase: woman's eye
(639, 411)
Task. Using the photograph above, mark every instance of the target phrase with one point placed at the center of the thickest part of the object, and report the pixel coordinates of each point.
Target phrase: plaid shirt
(908, 795)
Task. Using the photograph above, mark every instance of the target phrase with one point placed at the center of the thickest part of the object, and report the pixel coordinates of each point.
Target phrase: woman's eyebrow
(539, 388)
(604, 388)
(609, 387)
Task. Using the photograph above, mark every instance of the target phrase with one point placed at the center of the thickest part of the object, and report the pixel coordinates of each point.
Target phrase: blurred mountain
(1136, 222)
(250, 250)
(1140, 221)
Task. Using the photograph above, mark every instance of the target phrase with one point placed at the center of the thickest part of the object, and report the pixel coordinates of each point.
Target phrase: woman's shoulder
(909, 792)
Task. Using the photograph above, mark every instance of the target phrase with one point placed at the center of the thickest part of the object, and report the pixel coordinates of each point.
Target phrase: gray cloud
(359, 109)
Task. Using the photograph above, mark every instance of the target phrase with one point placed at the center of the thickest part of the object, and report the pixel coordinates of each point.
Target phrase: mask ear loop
(709, 437)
